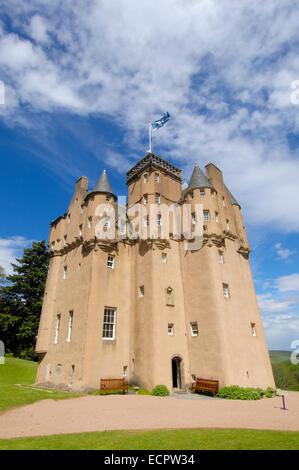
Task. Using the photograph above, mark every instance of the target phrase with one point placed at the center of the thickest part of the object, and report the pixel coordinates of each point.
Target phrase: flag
(160, 122)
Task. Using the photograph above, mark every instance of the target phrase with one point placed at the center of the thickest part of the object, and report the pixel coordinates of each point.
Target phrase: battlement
(154, 162)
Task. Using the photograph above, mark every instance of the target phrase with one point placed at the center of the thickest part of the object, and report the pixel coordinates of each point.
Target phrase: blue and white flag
(160, 122)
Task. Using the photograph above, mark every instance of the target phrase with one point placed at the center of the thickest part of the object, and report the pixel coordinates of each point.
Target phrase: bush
(160, 391)
(234, 392)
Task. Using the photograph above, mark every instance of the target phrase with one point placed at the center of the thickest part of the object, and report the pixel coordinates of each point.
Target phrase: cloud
(10, 249)
(281, 330)
(283, 253)
(288, 283)
(222, 69)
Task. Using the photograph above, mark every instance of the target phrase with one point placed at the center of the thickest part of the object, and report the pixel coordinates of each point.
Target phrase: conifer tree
(21, 301)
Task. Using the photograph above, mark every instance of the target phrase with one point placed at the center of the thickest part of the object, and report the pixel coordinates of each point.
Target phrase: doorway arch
(176, 367)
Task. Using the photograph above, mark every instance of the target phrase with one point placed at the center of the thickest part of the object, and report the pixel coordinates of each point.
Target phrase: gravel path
(97, 413)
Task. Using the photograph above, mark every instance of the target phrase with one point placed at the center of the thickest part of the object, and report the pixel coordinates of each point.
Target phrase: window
(64, 240)
(52, 245)
(191, 194)
(202, 192)
(110, 261)
(253, 330)
(58, 369)
(125, 368)
(169, 293)
(146, 221)
(141, 291)
(123, 227)
(226, 291)
(81, 209)
(107, 222)
(227, 224)
(108, 198)
(223, 201)
(68, 218)
(206, 216)
(70, 326)
(57, 328)
(213, 193)
(157, 177)
(89, 222)
(164, 258)
(194, 329)
(64, 272)
(80, 230)
(159, 220)
(109, 323)
(145, 199)
(220, 255)
(158, 197)
(217, 216)
(194, 218)
(145, 178)
(170, 329)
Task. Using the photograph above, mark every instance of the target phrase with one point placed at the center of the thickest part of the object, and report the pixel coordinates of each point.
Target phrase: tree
(2, 275)
(21, 301)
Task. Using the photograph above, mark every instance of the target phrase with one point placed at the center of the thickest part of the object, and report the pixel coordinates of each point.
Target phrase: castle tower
(143, 306)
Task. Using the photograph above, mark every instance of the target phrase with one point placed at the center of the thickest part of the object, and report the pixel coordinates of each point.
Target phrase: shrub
(160, 391)
(234, 392)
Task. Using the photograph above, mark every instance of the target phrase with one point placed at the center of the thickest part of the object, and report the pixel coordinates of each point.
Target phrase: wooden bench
(206, 385)
(113, 384)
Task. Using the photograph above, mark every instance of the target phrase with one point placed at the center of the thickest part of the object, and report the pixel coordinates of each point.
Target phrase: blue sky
(83, 78)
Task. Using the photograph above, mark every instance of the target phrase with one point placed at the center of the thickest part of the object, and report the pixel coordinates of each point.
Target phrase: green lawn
(181, 439)
(279, 356)
(23, 373)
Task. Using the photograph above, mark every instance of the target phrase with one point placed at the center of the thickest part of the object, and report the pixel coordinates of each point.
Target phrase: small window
(206, 216)
(107, 222)
(191, 195)
(253, 329)
(157, 177)
(164, 258)
(89, 222)
(159, 220)
(223, 201)
(158, 198)
(52, 245)
(57, 328)
(227, 224)
(80, 230)
(141, 291)
(64, 240)
(194, 329)
(170, 329)
(58, 369)
(68, 218)
(202, 192)
(109, 323)
(108, 198)
(64, 272)
(217, 216)
(213, 193)
(220, 255)
(110, 261)
(145, 199)
(125, 368)
(146, 221)
(194, 220)
(145, 178)
(226, 291)
(81, 209)
(70, 326)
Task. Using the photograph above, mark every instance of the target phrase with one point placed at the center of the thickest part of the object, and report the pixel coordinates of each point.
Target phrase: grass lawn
(279, 356)
(18, 371)
(181, 439)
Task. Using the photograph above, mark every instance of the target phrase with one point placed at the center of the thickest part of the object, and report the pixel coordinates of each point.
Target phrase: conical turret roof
(198, 180)
(102, 185)
(232, 199)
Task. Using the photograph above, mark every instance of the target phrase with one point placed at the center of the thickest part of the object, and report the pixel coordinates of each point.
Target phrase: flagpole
(150, 136)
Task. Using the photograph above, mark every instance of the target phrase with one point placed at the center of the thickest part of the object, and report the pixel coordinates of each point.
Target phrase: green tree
(2, 275)
(284, 377)
(21, 301)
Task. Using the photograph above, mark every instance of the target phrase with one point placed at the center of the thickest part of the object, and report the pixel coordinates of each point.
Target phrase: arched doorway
(176, 373)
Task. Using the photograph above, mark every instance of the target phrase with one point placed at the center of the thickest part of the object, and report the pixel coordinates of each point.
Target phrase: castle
(146, 307)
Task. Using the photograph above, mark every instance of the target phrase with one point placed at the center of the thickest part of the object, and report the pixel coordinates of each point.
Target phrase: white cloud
(10, 249)
(281, 330)
(288, 283)
(222, 69)
(283, 253)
